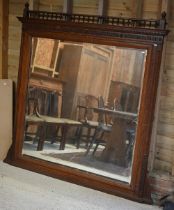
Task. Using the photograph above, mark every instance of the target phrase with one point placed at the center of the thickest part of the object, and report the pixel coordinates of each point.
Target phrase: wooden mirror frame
(131, 33)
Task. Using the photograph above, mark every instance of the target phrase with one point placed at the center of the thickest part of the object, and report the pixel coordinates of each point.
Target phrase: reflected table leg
(115, 149)
(63, 139)
(42, 137)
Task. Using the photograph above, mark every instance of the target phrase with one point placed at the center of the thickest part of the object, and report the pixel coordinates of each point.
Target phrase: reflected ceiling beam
(137, 8)
(67, 6)
(34, 4)
(102, 7)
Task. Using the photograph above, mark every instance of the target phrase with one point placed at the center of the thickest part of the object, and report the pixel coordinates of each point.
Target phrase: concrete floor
(25, 190)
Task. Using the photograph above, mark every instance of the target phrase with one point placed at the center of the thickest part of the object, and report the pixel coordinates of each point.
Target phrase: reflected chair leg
(25, 134)
(57, 132)
(42, 138)
(63, 139)
(95, 149)
(88, 136)
(79, 135)
(76, 135)
(92, 142)
(38, 134)
(97, 143)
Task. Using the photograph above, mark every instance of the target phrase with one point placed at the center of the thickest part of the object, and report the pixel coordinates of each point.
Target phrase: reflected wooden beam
(4, 10)
(67, 6)
(102, 7)
(137, 8)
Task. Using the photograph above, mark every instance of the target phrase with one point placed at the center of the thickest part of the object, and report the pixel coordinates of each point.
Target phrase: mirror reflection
(82, 105)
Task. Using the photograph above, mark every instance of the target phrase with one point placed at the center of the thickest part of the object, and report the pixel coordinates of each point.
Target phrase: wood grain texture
(137, 8)
(150, 9)
(14, 38)
(89, 33)
(1, 20)
(67, 6)
(164, 157)
(115, 8)
(4, 39)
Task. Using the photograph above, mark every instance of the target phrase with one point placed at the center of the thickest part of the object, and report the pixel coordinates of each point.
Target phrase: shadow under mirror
(82, 106)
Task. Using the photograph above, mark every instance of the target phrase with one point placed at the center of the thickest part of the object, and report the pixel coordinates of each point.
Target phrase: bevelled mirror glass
(82, 105)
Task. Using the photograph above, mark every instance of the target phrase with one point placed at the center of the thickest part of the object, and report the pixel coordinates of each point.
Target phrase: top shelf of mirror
(81, 18)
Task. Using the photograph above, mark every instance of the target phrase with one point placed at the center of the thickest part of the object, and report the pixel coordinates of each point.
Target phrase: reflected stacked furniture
(45, 91)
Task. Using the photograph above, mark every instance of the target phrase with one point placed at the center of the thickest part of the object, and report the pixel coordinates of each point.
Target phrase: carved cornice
(127, 28)
(81, 18)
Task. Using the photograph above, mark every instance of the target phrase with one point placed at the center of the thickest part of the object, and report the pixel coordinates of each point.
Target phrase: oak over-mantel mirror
(85, 99)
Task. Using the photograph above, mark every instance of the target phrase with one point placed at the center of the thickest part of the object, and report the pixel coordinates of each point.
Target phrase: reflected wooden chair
(43, 122)
(87, 117)
(105, 126)
(117, 105)
(37, 104)
(130, 133)
(33, 123)
(102, 131)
